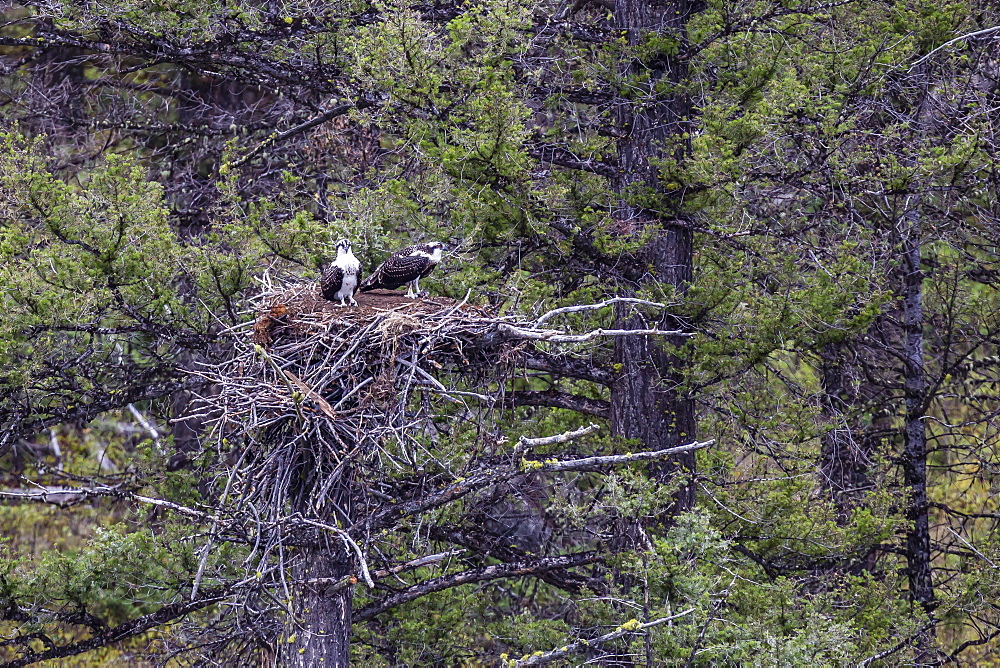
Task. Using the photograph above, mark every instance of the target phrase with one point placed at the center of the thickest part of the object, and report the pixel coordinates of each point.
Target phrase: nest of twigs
(337, 361)
(332, 419)
(316, 387)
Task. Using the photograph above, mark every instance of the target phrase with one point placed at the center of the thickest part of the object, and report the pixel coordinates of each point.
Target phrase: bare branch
(593, 307)
(972, 35)
(67, 496)
(527, 443)
(554, 399)
(631, 626)
(557, 336)
(569, 367)
(146, 424)
(973, 549)
(898, 646)
(609, 460)
(564, 157)
(278, 137)
(128, 629)
(56, 495)
(418, 563)
(486, 573)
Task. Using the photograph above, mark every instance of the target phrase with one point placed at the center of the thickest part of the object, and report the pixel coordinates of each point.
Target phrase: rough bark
(318, 630)
(646, 402)
(318, 619)
(918, 543)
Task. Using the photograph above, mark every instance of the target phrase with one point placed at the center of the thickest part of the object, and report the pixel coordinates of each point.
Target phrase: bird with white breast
(340, 280)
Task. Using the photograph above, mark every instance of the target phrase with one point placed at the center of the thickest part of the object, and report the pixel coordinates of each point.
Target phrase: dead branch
(146, 424)
(593, 307)
(493, 572)
(961, 38)
(491, 475)
(129, 629)
(557, 336)
(527, 443)
(612, 460)
(68, 496)
(631, 626)
(555, 399)
(569, 367)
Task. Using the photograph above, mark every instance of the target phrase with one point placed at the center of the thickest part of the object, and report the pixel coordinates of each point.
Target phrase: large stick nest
(316, 385)
(316, 388)
(333, 416)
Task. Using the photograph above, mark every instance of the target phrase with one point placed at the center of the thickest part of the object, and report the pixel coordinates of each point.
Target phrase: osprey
(408, 265)
(340, 279)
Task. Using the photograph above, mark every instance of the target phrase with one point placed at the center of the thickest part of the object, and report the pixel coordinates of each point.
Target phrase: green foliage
(816, 131)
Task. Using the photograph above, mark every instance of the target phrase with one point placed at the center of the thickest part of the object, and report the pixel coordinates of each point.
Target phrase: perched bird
(408, 266)
(340, 279)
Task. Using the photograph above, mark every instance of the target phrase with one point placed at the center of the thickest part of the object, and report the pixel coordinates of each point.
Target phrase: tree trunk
(646, 402)
(318, 632)
(918, 542)
(318, 623)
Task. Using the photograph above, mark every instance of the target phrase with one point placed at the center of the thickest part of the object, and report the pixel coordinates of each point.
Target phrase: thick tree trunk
(318, 626)
(646, 402)
(318, 632)
(918, 542)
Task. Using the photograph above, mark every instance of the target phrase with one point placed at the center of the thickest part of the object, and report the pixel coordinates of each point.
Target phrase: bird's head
(343, 247)
(435, 247)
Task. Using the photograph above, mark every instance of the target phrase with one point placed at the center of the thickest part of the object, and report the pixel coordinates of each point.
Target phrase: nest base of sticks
(305, 303)
(338, 386)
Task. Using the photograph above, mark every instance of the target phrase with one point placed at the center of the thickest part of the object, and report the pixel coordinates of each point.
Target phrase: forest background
(808, 190)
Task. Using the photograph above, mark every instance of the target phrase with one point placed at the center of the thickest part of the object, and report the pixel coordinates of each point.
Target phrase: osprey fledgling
(408, 265)
(340, 279)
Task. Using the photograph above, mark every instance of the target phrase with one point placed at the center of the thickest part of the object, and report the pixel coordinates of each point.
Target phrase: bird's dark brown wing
(399, 269)
(427, 269)
(331, 281)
